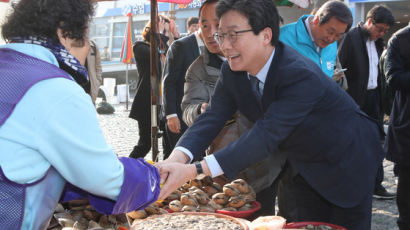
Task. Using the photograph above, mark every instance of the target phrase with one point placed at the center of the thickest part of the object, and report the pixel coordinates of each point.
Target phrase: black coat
(141, 106)
(181, 54)
(397, 67)
(352, 53)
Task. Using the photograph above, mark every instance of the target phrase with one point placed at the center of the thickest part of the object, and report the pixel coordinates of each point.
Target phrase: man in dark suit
(359, 53)
(397, 70)
(331, 165)
(180, 56)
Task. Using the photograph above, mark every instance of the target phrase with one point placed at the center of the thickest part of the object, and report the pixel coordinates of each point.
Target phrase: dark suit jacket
(353, 55)
(397, 68)
(180, 56)
(326, 137)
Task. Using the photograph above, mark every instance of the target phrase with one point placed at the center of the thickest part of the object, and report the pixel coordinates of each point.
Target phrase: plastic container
(242, 214)
(299, 225)
(122, 93)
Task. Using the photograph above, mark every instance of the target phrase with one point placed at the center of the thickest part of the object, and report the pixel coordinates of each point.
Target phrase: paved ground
(121, 133)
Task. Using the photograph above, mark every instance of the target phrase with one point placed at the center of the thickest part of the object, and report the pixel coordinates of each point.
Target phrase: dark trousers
(144, 142)
(298, 201)
(267, 198)
(403, 197)
(372, 108)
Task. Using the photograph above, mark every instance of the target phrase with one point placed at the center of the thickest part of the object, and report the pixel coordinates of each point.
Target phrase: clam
(210, 190)
(175, 205)
(230, 190)
(140, 214)
(195, 182)
(186, 186)
(207, 180)
(92, 224)
(81, 225)
(241, 185)
(206, 208)
(152, 209)
(248, 198)
(236, 202)
(189, 208)
(217, 186)
(103, 222)
(220, 198)
(188, 199)
(214, 205)
(175, 195)
(91, 215)
(64, 215)
(200, 196)
(245, 207)
(65, 222)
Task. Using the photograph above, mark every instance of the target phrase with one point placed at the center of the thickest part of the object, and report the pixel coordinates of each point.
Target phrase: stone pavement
(121, 133)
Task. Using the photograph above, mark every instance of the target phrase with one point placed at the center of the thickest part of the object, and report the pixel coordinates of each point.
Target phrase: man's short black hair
(260, 14)
(43, 18)
(206, 2)
(380, 14)
(335, 9)
(281, 20)
(192, 20)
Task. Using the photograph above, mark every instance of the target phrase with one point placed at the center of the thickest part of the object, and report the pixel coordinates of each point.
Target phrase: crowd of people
(297, 109)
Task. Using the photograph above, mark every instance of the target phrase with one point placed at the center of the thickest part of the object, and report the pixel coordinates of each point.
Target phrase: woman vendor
(49, 132)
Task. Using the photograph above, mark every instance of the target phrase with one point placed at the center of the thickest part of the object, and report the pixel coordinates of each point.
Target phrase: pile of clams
(203, 196)
(79, 215)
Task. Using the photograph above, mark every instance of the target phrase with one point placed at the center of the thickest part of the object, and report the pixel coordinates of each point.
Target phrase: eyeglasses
(381, 29)
(231, 34)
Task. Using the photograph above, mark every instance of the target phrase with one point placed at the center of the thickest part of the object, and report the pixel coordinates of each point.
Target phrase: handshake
(174, 172)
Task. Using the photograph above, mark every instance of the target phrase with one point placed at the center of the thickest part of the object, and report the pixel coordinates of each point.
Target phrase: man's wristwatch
(199, 170)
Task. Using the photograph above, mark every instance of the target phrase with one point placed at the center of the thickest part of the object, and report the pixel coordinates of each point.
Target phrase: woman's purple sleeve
(139, 189)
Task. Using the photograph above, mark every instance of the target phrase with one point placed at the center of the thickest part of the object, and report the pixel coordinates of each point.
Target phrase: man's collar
(308, 22)
(198, 39)
(262, 74)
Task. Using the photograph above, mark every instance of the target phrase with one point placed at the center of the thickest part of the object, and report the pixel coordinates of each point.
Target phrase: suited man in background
(397, 69)
(331, 165)
(359, 53)
(180, 56)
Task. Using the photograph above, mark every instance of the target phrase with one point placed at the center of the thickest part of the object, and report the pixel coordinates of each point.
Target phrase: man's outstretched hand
(174, 175)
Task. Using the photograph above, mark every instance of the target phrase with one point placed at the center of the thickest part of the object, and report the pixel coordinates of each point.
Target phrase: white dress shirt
(373, 63)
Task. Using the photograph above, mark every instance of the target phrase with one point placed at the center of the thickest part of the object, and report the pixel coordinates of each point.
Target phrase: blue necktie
(255, 87)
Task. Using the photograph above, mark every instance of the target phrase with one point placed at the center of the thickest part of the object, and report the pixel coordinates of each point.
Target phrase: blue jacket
(296, 36)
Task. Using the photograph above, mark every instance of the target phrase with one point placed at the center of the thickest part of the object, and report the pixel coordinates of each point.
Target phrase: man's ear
(267, 35)
(64, 41)
(316, 20)
(369, 22)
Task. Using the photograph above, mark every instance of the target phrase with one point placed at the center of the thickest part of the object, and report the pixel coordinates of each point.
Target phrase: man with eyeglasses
(315, 36)
(359, 53)
(331, 165)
